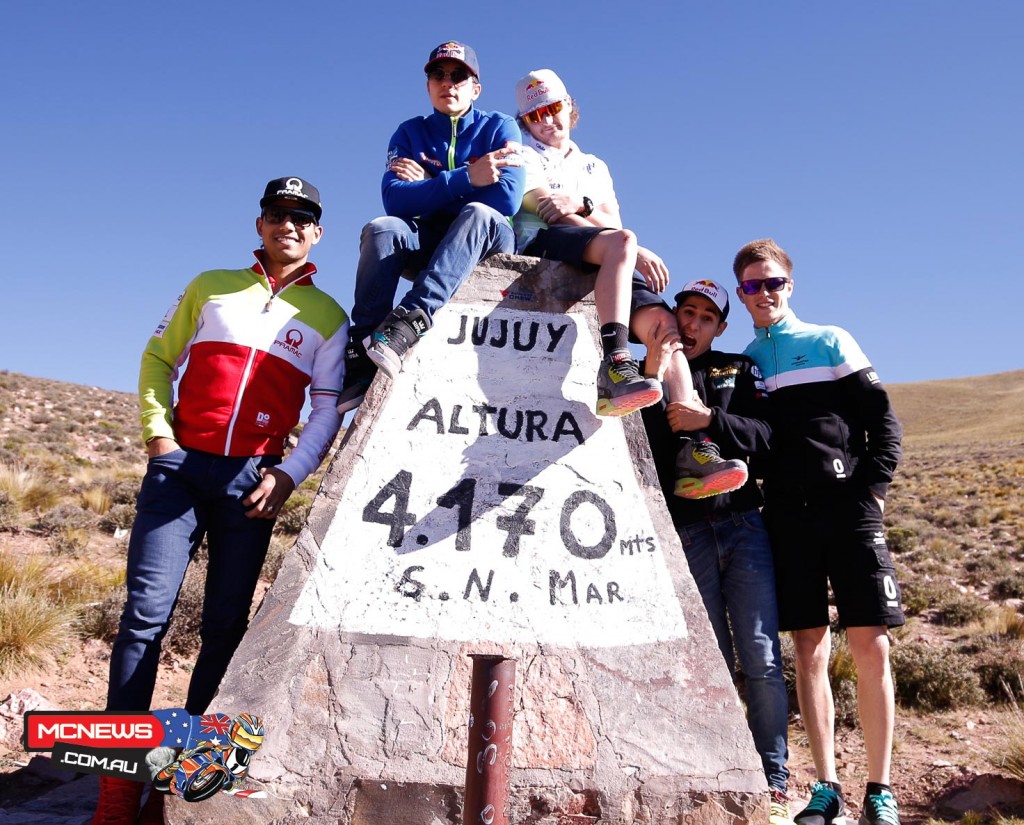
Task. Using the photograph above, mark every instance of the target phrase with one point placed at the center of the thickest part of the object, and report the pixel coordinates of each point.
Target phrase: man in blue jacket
(453, 181)
(835, 446)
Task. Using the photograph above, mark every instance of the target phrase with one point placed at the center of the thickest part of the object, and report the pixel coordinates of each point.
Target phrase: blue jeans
(185, 495)
(444, 255)
(731, 562)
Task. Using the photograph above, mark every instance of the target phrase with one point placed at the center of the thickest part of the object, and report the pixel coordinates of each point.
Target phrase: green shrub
(1010, 587)
(920, 595)
(123, 491)
(932, 679)
(183, 634)
(293, 515)
(119, 517)
(901, 539)
(100, 620)
(65, 517)
(958, 609)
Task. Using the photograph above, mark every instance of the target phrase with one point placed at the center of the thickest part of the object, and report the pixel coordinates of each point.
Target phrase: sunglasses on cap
(278, 214)
(753, 286)
(458, 76)
(537, 115)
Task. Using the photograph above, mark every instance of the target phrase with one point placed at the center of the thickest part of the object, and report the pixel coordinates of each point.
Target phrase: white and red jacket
(251, 354)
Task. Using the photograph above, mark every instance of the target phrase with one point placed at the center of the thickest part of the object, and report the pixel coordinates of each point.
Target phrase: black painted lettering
(518, 524)
(536, 419)
(650, 544)
(503, 424)
(556, 583)
(483, 410)
(474, 578)
(624, 546)
(556, 335)
(613, 592)
(501, 338)
(573, 544)
(454, 427)
(479, 331)
(593, 594)
(531, 342)
(461, 497)
(431, 411)
(462, 332)
(399, 518)
(408, 586)
(567, 426)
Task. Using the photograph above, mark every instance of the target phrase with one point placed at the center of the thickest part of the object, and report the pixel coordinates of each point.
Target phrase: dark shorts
(840, 542)
(643, 296)
(565, 243)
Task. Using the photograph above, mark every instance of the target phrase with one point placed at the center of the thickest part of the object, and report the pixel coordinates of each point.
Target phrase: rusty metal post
(490, 740)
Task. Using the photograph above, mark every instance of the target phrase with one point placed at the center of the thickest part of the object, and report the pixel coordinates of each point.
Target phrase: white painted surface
(623, 591)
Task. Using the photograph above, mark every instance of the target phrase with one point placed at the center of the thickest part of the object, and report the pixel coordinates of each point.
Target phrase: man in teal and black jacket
(834, 448)
(453, 181)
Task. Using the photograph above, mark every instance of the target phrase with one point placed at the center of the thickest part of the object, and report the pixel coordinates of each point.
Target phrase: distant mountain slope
(986, 408)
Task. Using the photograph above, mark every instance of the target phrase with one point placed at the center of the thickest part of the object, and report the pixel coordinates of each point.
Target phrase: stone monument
(479, 506)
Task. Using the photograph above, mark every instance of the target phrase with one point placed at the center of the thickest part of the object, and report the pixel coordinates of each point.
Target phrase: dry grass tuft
(96, 499)
(27, 489)
(85, 583)
(70, 541)
(23, 573)
(1010, 757)
(33, 629)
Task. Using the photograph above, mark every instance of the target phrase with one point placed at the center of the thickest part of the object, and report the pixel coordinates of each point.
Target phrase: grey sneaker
(826, 804)
(621, 389)
(701, 471)
(392, 339)
(359, 372)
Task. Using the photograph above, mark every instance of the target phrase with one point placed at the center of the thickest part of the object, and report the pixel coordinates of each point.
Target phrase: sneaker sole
(351, 403)
(713, 485)
(625, 404)
(389, 363)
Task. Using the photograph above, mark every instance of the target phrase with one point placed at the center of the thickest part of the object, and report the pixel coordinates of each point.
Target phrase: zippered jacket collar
(443, 121)
(787, 323)
(305, 279)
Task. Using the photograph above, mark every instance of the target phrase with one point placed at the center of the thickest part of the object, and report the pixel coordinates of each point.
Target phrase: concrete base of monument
(479, 506)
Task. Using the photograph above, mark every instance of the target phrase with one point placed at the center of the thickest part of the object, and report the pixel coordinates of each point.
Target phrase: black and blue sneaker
(879, 807)
(826, 804)
(359, 373)
(396, 335)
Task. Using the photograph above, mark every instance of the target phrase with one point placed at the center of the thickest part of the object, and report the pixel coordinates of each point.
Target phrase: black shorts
(565, 243)
(838, 541)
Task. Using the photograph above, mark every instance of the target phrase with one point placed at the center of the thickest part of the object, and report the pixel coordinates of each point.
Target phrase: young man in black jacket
(835, 447)
(724, 539)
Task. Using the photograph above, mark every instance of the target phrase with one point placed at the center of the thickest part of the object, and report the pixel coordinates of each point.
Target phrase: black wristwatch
(587, 209)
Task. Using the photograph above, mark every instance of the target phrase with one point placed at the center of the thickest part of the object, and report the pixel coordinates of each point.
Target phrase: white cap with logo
(541, 87)
(714, 292)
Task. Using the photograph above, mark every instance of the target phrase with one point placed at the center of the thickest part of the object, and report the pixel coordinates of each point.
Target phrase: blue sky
(879, 142)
